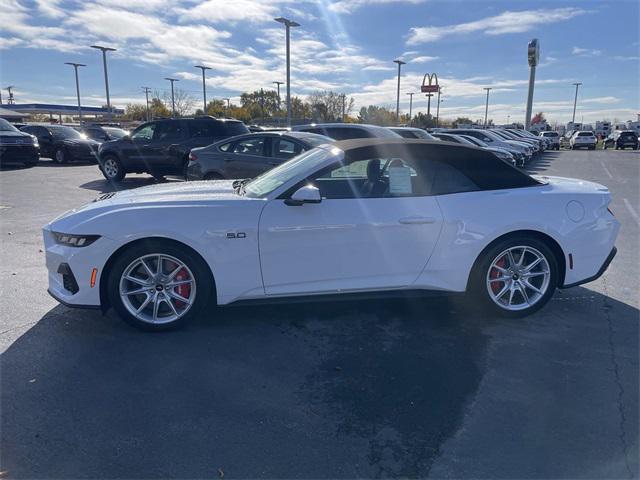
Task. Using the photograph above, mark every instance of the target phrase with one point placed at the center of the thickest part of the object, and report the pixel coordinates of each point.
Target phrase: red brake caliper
(183, 290)
(495, 273)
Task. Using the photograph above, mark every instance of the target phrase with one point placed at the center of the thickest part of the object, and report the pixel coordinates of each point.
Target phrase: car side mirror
(127, 138)
(306, 194)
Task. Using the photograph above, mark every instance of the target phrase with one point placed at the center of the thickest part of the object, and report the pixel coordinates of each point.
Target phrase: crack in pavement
(616, 372)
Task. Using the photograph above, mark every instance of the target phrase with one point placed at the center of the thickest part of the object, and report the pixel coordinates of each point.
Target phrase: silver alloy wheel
(518, 278)
(110, 167)
(60, 155)
(157, 288)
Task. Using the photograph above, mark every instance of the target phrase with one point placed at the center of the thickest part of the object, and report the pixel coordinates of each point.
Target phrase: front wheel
(60, 155)
(112, 169)
(515, 277)
(158, 285)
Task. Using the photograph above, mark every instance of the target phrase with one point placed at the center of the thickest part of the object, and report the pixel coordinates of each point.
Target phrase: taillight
(193, 157)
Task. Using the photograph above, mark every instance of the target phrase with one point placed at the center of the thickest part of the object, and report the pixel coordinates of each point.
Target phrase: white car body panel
(340, 245)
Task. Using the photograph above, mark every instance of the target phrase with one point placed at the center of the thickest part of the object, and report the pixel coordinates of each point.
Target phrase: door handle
(416, 220)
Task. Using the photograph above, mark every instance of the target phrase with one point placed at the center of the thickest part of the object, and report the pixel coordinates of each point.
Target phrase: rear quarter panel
(473, 220)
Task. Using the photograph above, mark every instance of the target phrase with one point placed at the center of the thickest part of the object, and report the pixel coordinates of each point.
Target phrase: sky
(343, 45)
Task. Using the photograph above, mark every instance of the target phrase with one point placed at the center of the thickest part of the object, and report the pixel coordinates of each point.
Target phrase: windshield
(477, 141)
(549, 134)
(6, 126)
(267, 182)
(62, 133)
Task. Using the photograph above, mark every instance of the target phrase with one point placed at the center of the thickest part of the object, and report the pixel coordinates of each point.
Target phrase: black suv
(622, 139)
(161, 147)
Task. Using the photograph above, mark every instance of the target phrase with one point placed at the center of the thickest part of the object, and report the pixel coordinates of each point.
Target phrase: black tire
(478, 279)
(201, 273)
(111, 168)
(60, 155)
(213, 176)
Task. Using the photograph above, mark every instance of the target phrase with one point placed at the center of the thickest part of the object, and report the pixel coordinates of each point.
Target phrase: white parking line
(606, 170)
(632, 211)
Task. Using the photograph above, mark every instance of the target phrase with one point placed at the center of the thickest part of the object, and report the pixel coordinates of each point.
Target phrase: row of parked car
(213, 148)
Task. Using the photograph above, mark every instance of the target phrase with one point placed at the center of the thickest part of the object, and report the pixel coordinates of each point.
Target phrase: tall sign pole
(533, 55)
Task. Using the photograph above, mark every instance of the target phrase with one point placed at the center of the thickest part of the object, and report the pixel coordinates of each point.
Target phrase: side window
(347, 133)
(145, 133)
(250, 146)
(224, 147)
(283, 148)
(203, 129)
(374, 178)
(448, 179)
(170, 130)
(319, 131)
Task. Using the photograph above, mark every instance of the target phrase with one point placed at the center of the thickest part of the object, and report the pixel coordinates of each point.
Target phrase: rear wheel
(516, 277)
(158, 285)
(112, 168)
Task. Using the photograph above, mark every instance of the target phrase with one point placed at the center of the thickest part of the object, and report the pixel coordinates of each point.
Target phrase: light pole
(533, 55)
(344, 104)
(400, 63)
(486, 106)
(75, 67)
(106, 75)
(429, 95)
(438, 109)
(146, 93)
(411, 94)
(204, 86)
(278, 85)
(575, 102)
(288, 24)
(173, 101)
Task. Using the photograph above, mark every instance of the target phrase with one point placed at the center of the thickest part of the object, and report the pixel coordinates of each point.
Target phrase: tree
(376, 115)
(184, 102)
(422, 120)
(538, 118)
(158, 108)
(135, 111)
(261, 103)
(328, 106)
(300, 110)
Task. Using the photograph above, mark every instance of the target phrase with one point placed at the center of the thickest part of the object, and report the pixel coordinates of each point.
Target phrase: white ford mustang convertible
(357, 216)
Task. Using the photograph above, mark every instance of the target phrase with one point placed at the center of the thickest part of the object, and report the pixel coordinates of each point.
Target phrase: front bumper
(80, 261)
(19, 154)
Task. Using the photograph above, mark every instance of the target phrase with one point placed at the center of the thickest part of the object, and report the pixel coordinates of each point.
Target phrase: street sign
(430, 83)
(429, 88)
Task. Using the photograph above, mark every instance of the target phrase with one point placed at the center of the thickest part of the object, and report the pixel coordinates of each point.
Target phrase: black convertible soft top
(481, 166)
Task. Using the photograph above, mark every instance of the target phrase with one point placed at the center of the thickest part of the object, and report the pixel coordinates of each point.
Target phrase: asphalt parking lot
(389, 388)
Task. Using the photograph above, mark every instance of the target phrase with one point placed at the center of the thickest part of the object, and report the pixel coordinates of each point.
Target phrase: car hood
(12, 134)
(166, 195)
(80, 141)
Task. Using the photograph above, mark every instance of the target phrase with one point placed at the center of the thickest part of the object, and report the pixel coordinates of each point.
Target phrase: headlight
(35, 141)
(74, 240)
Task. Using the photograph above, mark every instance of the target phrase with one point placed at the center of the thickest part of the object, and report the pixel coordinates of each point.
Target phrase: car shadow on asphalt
(316, 390)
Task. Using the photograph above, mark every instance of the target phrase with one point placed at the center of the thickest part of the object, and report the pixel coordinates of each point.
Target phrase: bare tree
(183, 100)
(327, 106)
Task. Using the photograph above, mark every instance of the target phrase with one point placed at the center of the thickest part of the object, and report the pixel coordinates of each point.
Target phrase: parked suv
(583, 139)
(162, 147)
(554, 138)
(17, 146)
(622, 139)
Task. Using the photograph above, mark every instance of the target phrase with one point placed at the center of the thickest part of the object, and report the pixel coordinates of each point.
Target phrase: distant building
(573, 126)
(603, 128)
(12, 116)
(634, 126)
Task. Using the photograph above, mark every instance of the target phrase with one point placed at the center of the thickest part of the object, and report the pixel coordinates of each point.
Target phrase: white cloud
(50, 8)
(506, 22)
(626, 59)
(217, 11)
(349, 6)
(586, 52)
(423, 59)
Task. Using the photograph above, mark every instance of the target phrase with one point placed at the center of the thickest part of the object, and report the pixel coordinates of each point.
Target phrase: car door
(135, 150)
(350, 241)
(247, 157)
(165, 155)
(45, 139)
